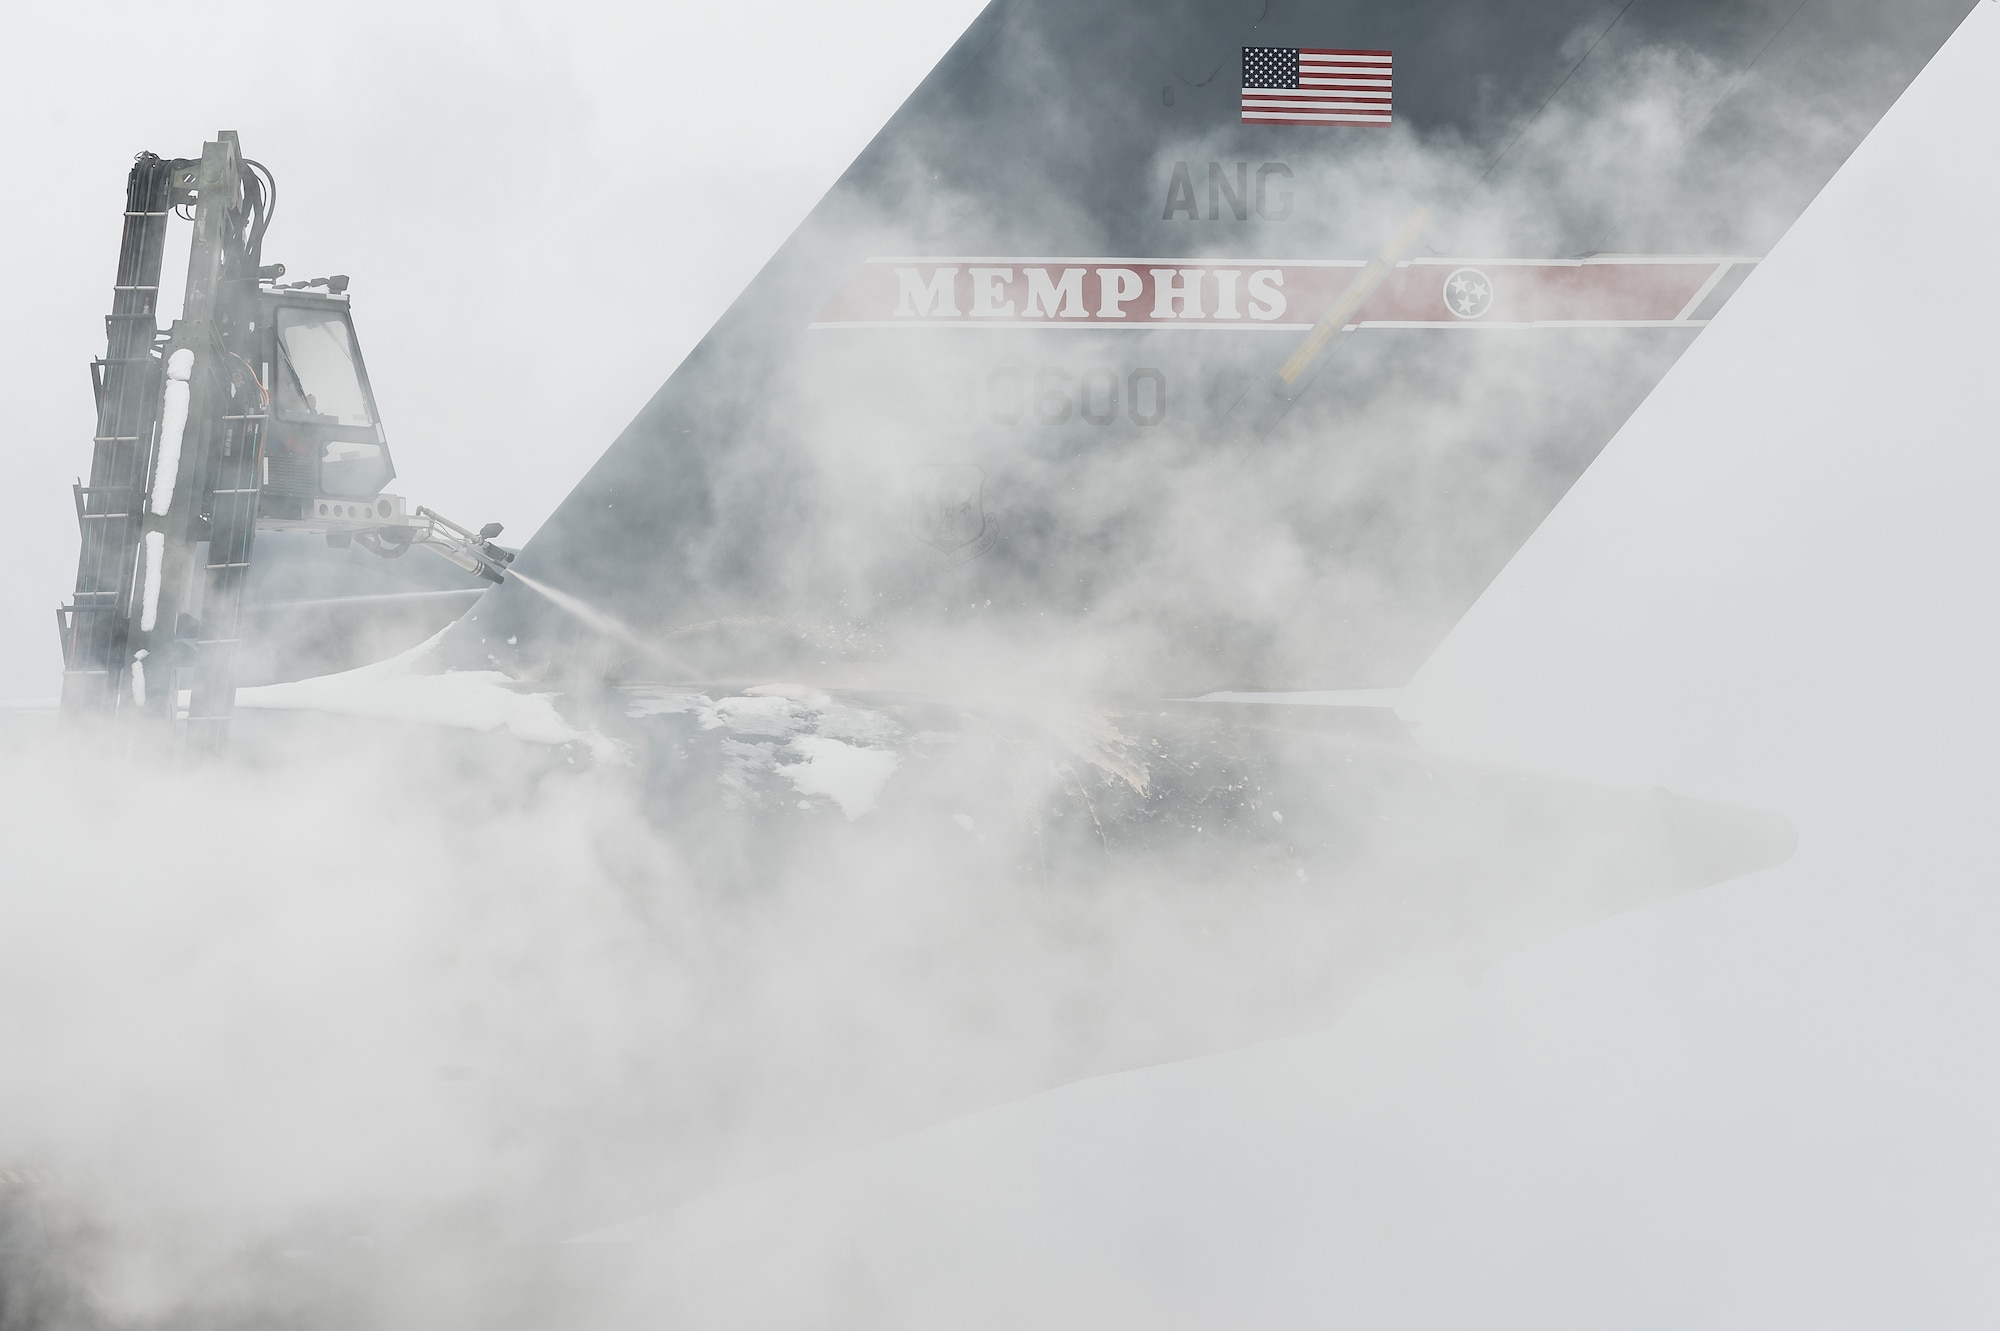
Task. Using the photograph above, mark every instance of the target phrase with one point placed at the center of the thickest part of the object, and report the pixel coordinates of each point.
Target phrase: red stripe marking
(1522, 292)
(1324, 120)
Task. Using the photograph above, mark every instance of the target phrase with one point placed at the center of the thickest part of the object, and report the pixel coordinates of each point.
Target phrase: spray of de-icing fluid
(590, 615)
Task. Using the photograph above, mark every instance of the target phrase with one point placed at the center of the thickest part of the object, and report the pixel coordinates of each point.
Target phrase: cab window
(319, 369)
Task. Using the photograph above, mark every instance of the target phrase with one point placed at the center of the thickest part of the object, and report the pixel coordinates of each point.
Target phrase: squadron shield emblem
(948, 519)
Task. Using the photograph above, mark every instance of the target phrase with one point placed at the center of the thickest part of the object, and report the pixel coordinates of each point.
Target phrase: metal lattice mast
(127, 382)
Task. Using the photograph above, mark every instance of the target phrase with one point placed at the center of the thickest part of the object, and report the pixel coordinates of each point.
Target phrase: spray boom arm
(472, 551)
(385, 525)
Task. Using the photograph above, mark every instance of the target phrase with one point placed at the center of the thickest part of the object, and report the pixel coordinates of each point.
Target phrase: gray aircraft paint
(1346, 519)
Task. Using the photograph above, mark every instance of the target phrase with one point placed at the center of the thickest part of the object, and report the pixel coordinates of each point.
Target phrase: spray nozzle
(472, 551)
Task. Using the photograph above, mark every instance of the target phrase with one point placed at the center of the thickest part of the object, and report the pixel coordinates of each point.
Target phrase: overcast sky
(1767, 1104)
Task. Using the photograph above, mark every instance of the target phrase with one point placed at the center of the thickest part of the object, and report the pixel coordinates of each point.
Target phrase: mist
(415, 1002)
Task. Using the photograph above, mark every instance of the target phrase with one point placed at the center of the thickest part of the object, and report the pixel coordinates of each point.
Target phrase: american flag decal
(1299, 85)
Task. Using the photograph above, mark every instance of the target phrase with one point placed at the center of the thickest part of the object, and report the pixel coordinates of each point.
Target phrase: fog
(1761, 1103)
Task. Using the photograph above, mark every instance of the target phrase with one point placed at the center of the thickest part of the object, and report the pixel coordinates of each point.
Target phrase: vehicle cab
(325, 453)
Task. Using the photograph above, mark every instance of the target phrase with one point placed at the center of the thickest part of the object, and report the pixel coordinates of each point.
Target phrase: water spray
(598, 620)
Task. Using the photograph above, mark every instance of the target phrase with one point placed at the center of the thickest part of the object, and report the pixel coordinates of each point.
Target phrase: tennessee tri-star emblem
(1468, 293)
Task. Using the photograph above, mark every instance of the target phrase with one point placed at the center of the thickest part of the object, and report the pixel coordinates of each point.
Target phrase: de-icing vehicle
(251, 412)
